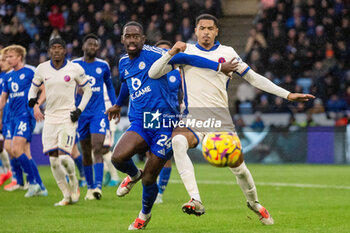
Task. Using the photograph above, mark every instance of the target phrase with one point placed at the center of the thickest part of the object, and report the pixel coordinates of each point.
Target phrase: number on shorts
(22, 126)
(164, 141)
(103, 123)
(70, 140)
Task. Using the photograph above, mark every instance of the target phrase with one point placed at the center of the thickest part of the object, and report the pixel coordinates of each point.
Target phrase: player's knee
(54, 162)
(148, 179)
(179, 141)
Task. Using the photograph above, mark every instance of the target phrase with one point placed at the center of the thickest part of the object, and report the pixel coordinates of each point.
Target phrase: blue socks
(79, 163)
(36, 174)
(149, 195)
(98, 169)
(89, 176)
(17, 171)
(163, 180)
(127, 167)
(27, 168)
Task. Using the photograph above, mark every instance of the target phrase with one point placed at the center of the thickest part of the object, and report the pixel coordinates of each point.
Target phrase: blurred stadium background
(301, 45)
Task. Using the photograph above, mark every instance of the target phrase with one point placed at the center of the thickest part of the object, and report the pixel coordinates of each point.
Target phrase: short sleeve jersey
(17, 85)
(97, 72)
(60, 86)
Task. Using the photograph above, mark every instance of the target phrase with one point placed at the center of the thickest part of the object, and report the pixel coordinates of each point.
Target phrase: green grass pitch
(301, 198)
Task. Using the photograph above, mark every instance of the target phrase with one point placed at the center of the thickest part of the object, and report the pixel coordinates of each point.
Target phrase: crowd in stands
(303, 46)
(32, 23)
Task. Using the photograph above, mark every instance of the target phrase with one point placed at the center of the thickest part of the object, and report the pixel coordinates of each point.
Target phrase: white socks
(5, 160)
(69, 164)
(109, 166)
(60, 176)
(184, 165)
(246, 182)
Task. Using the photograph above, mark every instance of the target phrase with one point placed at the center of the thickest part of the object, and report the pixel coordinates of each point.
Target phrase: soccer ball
(221, 149)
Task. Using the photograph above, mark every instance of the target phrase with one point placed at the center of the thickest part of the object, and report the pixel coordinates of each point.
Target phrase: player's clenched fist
(229, 67)
(177, 48)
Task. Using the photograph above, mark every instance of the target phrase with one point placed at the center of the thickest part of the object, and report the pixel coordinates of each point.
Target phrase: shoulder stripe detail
(30, 67)
(37, 85)
(77, 59)
(81, 85)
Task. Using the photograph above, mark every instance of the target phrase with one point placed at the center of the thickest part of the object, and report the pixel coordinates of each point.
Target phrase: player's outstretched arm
(266, 85)
(173, 56)
(298, 97)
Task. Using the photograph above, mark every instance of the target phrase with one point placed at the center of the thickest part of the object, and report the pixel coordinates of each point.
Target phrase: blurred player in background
(151, 98)
(207, 98)
(174, 82)
(93, 123)
(111, 177)
(22, 121)
(60, 78)
(4, 157)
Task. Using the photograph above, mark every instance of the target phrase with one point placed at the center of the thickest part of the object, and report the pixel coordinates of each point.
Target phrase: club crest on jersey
(67, 78)
(172, 78)
(142, 65)
(98, 70)
(135, 83)
(22, 76)
(222, 60)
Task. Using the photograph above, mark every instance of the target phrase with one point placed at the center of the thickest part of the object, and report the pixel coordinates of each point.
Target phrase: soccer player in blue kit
(93, 122)
(22, 121)
(149, 99)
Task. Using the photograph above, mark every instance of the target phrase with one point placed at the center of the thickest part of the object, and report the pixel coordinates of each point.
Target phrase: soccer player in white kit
(60, 78)
(207, 98)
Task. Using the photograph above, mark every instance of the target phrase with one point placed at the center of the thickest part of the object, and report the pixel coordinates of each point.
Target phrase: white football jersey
(60, 86)
(206, 89)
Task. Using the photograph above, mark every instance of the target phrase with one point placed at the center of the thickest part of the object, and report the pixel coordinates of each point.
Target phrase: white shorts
(59, 137)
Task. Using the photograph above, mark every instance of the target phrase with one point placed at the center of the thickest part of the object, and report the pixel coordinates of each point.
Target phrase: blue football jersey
(174, 82)
(146, 94)
(98, 73)
(17, 85)
(2, 77)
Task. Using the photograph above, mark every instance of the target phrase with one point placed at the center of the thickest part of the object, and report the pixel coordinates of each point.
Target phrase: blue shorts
(92, 124)
(21, 127)
(158, 140)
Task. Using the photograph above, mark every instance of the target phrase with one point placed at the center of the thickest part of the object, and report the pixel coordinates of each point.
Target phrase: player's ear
(216, 32)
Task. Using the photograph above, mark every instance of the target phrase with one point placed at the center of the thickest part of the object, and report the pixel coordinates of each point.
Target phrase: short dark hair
(90, 35)
(133, 23)
(209, 17)
(166, 42)
(57, 41)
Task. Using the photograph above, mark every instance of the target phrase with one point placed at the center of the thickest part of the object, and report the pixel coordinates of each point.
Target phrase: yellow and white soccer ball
(222, 149)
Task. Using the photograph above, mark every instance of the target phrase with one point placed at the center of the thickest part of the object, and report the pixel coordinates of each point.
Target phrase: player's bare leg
(247, 185)
(182, 139)
(153, 166)
(97, 148)
(128, 145)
